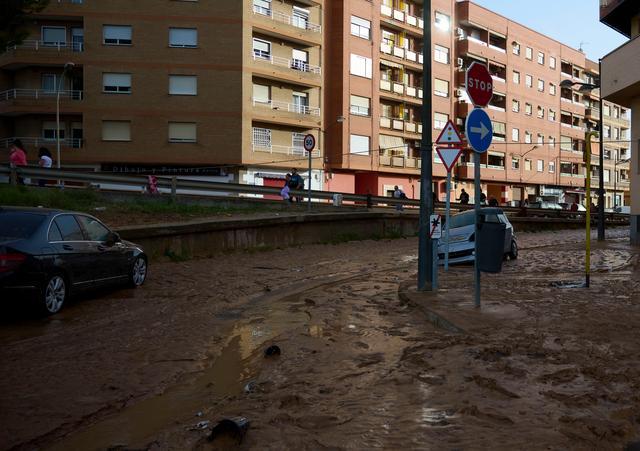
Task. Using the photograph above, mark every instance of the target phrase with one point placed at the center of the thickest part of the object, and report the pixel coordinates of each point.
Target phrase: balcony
(40, 52)
(400, 125)
(38, 94)
(400, 161)
(399, 52)
(69, 143)
(282, 112)
(487, 172)
(284, 150)
(471, 45)
(295, 28)
(399, 16)
(275, 67)
(400, 89)
(15, 101)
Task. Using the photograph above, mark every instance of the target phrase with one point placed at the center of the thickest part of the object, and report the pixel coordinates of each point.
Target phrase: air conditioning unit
(458, 93)
(460, 33)
(459, 63)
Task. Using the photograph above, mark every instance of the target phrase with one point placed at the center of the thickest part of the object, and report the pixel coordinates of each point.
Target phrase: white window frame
(178, 85)
(262, 54)
(540, 85)
(357, 105)
(439, 122)
(441, 54)
(515, 105)
(117, 40)
(356, 141)
(552, 167)
(515, 48)
(120, 83)
(261, 137)
(176, 128)
(527, 137)
(528, 81)
(262, 7)
(440, 93)
(361, 66)
(516, 77)
(528, 53)
(552, 62)
(540, 166)
(540, 58)
(515, 134)
(360, 27)
(173, 42)
(442, 21)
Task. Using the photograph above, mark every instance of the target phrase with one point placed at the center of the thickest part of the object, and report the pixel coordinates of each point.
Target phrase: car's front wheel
(138, 272)
(513, 252)
(54, 294)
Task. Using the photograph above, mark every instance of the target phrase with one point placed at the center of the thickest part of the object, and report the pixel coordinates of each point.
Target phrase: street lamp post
(589, 87)
(68, 66)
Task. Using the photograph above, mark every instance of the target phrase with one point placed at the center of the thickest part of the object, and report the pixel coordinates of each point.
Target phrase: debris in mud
(235, 428)
(272, 350)
(201, 425)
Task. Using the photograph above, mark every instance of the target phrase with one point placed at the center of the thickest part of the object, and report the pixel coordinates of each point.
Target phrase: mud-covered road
(360, 367)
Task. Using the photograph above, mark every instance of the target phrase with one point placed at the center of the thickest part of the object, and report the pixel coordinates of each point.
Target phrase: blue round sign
(479, 130)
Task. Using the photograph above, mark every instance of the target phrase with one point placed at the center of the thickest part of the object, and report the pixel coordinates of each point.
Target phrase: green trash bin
(490, 236)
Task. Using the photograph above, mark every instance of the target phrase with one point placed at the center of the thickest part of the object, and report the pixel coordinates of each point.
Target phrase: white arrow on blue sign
(479, 130)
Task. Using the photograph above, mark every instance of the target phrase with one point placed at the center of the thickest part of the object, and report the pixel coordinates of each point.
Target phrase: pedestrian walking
(493, 202)
(483, 198)
(296, 182)
(284, 192)
(399, 194)
(17, 157)
(45, 161)
(464, 197)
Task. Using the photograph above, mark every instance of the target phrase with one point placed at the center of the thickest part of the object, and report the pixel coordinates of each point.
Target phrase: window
(94, 229)
(552, 142)
(54, 233)
(565, 143)
(359, 145)
(261, 93)
(606, 110)
(528, 109)
(300, 102)
(69, 228)
(527, 164)
(540, 166)
(515, 134)
(262, 138)
(440, 120)
(540, 58)
(607, 175)
(116, 83)
(441, 88)
(49, 130)
(183, 37)
(552, 167)
(540, 112)
(529, 53)
(49, 83)
(262, 7)
(361, 66)
(515, 106)
(261, 49)
(527, 137)
(552, 115)
(529, 81)
(360, 106)
(552, 89)
(183, 85)
(116, 34)
(442, 21)
(116, 130)
(182, 132)
(360, 27)
(515, 48)
(54, 36)
(300, 18)
(300, 60)
(607, 131)
(515, 163)
(441, 54)
(516, 77)
(540, 139)
(540, 85)
(552, 62)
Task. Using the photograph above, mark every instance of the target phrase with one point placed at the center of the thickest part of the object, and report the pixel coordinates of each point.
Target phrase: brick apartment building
(227, 89)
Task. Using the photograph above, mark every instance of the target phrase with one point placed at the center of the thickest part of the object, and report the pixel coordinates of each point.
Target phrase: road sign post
(479, 132)
(435, 232)
(309, 144)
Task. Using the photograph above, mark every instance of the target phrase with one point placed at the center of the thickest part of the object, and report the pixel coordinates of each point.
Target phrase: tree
(14, 15)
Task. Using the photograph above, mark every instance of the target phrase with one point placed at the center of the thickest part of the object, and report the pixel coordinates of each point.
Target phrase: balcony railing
(12, 94)
(47, 46)
(401, 16)
(400, 125)
(288, 107)
(284, 62)
(294, 21)
(75, 143)
(399, 161)
(400, 52)
(284, 150)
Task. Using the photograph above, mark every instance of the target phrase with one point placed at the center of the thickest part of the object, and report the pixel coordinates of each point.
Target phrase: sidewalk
(534, 352)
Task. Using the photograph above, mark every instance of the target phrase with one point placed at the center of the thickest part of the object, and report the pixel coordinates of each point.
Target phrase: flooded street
(361, 366)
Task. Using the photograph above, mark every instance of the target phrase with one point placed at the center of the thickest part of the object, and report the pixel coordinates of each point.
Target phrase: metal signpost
(449, 156)
(435, 233)
(309, 144)
(479, 132)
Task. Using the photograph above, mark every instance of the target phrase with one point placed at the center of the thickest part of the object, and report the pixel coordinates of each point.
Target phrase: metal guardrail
(12, 94)
(173, 186)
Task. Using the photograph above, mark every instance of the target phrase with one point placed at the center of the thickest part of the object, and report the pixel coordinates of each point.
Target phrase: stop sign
(479, 84)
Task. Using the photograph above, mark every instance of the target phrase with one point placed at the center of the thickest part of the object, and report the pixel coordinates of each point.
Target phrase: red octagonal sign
(479, 84)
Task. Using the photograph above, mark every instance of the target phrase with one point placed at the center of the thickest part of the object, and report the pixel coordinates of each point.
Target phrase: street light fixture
(67, 67)
(583, 88)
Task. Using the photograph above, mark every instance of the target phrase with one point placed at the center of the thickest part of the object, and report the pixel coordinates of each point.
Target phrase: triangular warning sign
(449, 135)
(449, 156)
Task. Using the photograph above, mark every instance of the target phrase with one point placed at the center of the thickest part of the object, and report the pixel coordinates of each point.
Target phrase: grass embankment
(113, 212)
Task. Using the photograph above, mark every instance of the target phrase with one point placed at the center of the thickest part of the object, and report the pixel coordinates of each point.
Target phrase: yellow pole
(587, 152)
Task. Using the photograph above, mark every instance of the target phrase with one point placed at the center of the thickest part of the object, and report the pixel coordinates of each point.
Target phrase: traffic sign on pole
(449, 134)
(309, 142)
(435, 227)
(479, 84)
(449, 156)
(479, 130)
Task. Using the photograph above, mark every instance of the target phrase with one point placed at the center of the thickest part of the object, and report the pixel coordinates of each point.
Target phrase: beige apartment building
(227, 90)
(621, 84)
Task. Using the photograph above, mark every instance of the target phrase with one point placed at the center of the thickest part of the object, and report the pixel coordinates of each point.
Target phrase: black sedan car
(48, 255)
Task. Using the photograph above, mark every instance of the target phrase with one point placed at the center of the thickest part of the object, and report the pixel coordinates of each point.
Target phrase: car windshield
(464, 219)
(18, 224)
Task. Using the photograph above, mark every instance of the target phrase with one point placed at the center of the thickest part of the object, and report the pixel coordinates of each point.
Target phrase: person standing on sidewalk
(464, 197)
(17, 157)
(296, 182)
(399, 194)
(45, 161)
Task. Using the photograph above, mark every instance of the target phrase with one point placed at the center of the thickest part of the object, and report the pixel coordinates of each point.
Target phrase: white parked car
(462, 236)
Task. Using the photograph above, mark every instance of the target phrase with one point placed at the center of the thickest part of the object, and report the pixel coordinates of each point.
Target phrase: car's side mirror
(113, 238)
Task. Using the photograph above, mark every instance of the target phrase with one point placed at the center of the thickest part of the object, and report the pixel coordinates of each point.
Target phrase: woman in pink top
(17, 156)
